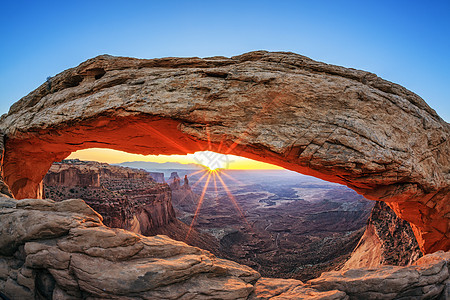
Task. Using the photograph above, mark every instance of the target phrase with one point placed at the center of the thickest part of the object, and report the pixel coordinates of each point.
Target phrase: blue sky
(407, 42)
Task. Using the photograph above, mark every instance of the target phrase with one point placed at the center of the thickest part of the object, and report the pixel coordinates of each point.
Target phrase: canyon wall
(4, 188)
(341, 125)
(388, 240)
(157, 176)
(126, 198)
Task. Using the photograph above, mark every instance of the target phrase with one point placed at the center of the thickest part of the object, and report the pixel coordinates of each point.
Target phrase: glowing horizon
(214, 160)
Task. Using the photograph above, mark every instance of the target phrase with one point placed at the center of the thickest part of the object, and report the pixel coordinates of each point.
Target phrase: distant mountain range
(147, 165)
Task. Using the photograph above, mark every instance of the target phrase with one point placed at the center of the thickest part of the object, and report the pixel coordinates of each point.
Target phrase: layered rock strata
(158, 176)
(338, 124)
(388, 240)
(427, 278)
(126, 198)
(61, 250)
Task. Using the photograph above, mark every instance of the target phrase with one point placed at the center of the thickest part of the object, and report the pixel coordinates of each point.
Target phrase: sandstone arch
(338, 124)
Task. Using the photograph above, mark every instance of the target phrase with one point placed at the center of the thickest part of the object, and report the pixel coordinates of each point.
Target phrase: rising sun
(212, 161)
(212, 168)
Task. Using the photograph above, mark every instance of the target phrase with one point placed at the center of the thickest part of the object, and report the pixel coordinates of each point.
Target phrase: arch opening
(281, 223)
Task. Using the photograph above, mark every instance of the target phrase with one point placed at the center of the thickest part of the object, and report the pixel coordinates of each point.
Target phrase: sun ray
(222, 140)
(199, 205)
(193, 186)
(215, 187)
(231, 178)
(255, 119)
(208, 137)
(200, 179)
(196, 172)
(233, 200)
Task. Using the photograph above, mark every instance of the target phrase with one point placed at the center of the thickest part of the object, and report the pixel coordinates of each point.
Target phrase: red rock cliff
(126, 198)
(388, 240)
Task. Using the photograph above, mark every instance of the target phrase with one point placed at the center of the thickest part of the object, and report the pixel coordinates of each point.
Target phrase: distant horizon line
(180, 163)
(201, 158)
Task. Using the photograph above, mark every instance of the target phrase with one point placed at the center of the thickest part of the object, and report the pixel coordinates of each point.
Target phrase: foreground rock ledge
(338, 124)
(61, 250)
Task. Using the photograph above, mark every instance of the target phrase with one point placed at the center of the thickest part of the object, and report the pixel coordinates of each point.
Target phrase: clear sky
(206, 158)
(406, 42)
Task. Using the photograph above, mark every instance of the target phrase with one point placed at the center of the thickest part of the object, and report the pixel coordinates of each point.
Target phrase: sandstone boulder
(63, 250)
(426, 279)
(283, 289)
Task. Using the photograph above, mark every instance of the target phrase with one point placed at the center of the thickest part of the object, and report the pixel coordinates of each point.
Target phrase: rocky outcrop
(174, 181)
(71, 176)
(4, 188)
(279, 289)
(183, 197)
(338, 124)
(61, 250)
(126, 198)
(157, 176)
(388, 240)
(427, 278)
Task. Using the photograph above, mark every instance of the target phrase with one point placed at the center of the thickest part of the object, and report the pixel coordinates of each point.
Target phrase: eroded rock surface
(427, 278)
(388, 240)
(126, 198)
(80, 257)
(338, 124)
(279, 289)
(61, 250)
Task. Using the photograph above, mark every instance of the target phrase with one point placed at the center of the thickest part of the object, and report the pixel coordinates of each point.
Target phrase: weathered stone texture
(61, 250)
(388, 240)
(338, 124)
(427, 278)
(65, 245)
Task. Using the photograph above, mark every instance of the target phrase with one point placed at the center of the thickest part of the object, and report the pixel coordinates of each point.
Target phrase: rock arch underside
(338, 124)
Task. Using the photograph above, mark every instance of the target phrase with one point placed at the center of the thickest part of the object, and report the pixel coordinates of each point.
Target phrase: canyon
(126, 198)
(280, 223)
(338, 124)
(275, 231)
